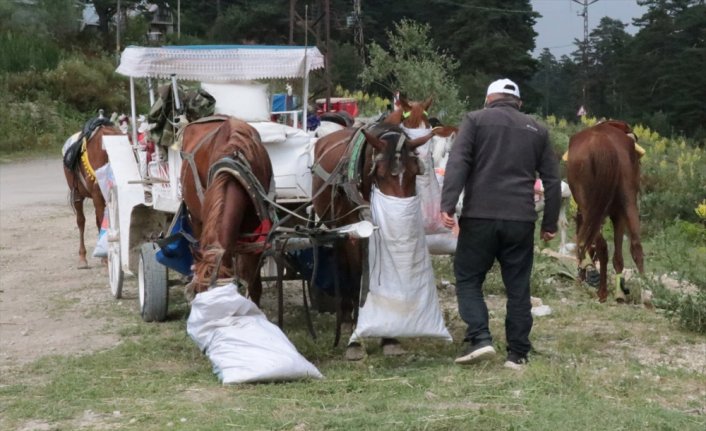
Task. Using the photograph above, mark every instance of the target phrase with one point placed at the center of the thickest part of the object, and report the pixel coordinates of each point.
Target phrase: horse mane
(214, 200)
(394, 118)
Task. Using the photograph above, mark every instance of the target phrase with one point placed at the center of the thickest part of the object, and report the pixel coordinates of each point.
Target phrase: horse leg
(563, 225)
(618, 263)
(633, 224)
(602, 253)
(348, 260)
(247, 270)
(77, 202)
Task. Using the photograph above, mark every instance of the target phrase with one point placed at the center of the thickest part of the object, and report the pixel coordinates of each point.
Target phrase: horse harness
(239, 168)
(347, 173)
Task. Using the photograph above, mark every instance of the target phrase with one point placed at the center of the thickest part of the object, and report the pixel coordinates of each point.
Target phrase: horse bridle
(397, 168)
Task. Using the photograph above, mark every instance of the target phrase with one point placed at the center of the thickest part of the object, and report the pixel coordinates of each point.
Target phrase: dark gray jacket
(496, 156)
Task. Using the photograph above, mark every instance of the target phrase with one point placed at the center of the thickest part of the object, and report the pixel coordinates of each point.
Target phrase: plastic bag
(105, 179)
(429, 191)
(101, 249)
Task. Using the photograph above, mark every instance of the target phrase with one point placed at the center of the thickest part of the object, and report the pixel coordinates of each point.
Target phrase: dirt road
(47, 305)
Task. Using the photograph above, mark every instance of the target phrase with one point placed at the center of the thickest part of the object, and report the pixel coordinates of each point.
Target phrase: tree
(491, 39)
(416, 67)
(252, 21)
(665, 63)
(606, 47)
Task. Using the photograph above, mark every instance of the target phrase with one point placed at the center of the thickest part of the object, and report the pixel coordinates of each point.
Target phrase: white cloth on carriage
(402, 301)
(243, 346)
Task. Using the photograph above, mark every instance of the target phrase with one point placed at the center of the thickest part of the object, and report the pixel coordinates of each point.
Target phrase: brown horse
(347, 165)
(604, 176)
(224, 167)
(82, 182)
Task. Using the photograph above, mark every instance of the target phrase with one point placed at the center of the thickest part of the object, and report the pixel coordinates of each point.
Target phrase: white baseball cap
(504, 86)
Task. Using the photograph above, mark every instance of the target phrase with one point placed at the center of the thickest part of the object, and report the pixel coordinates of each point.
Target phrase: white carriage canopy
(220, 63)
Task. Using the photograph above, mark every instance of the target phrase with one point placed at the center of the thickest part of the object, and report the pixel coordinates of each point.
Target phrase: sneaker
(515, 361)
(475, 354)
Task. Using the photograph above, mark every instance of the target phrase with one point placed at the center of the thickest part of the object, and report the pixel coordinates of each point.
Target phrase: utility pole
(178, 19)
(321, 18)
(117, 32)
(584, 47)
(358, 40)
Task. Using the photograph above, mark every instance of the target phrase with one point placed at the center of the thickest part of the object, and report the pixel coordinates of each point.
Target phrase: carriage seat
(291, 152)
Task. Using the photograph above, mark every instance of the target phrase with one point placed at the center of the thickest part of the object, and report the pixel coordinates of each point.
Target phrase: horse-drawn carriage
(145, 200)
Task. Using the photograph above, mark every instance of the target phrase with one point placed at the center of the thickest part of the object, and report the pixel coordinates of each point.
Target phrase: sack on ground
(243, 346)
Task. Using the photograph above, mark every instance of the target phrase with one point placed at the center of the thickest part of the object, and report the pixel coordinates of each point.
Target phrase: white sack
(241, 343)
(402, 301)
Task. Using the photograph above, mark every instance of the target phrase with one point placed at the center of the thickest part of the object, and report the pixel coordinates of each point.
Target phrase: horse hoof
(354, 352)
(83, 265)
(392, 348)
(593, 277)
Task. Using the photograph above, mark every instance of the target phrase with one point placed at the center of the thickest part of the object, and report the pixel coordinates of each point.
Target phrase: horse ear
(404, 104)
(427, 103)
(374, 141)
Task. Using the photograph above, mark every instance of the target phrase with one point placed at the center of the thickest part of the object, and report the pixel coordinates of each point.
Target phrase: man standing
(495, 160)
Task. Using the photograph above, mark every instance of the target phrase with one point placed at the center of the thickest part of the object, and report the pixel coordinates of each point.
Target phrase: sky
(560, 24)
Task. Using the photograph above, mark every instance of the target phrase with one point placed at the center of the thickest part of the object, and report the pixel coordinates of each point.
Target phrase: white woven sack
(243, 346)
(402, 301)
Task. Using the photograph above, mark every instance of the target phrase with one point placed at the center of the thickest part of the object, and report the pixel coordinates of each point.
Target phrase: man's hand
(547, 236)
(449, 221)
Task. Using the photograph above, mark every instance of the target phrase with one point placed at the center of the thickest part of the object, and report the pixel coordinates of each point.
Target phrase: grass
(595, 367)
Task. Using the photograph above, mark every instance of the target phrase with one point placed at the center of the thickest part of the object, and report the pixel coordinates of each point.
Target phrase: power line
(486, 8)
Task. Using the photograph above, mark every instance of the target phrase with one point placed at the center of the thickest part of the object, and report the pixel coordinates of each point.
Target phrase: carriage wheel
(152, 285)
(115, 269)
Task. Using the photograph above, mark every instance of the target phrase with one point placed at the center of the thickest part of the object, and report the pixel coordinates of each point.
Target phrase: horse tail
(600, 191)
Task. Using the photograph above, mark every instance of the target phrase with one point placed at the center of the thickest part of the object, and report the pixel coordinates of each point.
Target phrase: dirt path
(46, 303)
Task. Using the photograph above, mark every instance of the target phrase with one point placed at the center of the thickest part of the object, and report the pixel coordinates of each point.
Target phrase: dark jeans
(480, 242)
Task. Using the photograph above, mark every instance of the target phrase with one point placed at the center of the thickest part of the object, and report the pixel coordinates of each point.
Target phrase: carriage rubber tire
(152, 284)
(116, 275)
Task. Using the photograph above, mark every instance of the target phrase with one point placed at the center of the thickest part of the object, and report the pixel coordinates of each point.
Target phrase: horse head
(393, 163)
(411, 115)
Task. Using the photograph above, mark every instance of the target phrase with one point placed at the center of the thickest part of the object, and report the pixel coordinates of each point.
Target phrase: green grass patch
(595, 367)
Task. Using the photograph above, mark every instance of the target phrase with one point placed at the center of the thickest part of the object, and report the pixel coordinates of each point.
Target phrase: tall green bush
(89, 84)
(22, 52)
